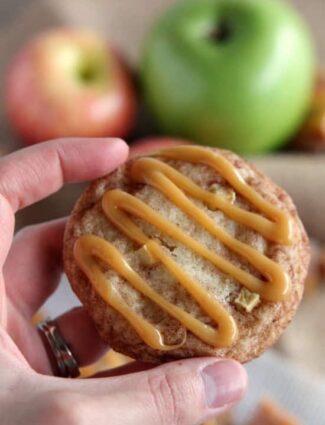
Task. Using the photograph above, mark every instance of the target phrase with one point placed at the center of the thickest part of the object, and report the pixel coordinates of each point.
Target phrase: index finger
(33, 173)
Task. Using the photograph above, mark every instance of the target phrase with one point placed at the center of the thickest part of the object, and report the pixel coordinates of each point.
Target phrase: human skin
(182, 393)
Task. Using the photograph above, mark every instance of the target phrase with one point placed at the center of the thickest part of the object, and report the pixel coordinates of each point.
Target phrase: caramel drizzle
(118, 206)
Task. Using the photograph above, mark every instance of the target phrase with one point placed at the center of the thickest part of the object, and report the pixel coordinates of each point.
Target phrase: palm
(25, 336)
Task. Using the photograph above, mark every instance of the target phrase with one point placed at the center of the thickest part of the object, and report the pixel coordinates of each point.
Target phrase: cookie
(188, 252)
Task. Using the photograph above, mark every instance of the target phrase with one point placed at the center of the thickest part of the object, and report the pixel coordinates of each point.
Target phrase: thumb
(182, 393)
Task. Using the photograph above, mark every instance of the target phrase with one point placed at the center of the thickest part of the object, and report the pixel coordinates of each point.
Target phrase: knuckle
(66, 408)
(166, 394)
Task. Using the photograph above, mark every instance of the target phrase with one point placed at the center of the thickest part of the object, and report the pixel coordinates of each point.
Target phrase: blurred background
(118, 22)
(293, 373)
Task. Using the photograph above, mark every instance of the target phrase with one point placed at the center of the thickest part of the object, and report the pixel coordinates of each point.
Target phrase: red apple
(69, 82)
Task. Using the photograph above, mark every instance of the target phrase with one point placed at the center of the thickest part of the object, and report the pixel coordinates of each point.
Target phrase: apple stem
(220, 33)
(87, 74)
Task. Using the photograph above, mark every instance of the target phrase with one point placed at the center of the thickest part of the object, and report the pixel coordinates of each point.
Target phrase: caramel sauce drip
(120, 206)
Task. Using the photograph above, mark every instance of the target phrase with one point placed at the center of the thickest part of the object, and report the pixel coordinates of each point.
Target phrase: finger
(36, 258)
(185, 392)
(153, 144)
(80, 334)
(126, 369)
(7, 225)
(34, 265)
(32, 272)
(33, 173)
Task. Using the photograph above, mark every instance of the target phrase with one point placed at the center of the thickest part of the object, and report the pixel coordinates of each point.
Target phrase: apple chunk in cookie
(188, 252)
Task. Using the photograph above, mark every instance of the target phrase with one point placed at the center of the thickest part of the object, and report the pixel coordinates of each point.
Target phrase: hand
(183, 393)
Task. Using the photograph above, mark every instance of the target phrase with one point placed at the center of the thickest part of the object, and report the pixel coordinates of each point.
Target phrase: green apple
(231, 73)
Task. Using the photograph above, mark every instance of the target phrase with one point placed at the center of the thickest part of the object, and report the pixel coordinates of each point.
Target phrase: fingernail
(118, 148)
(113, 142)
(116, 141)
(224, 382)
